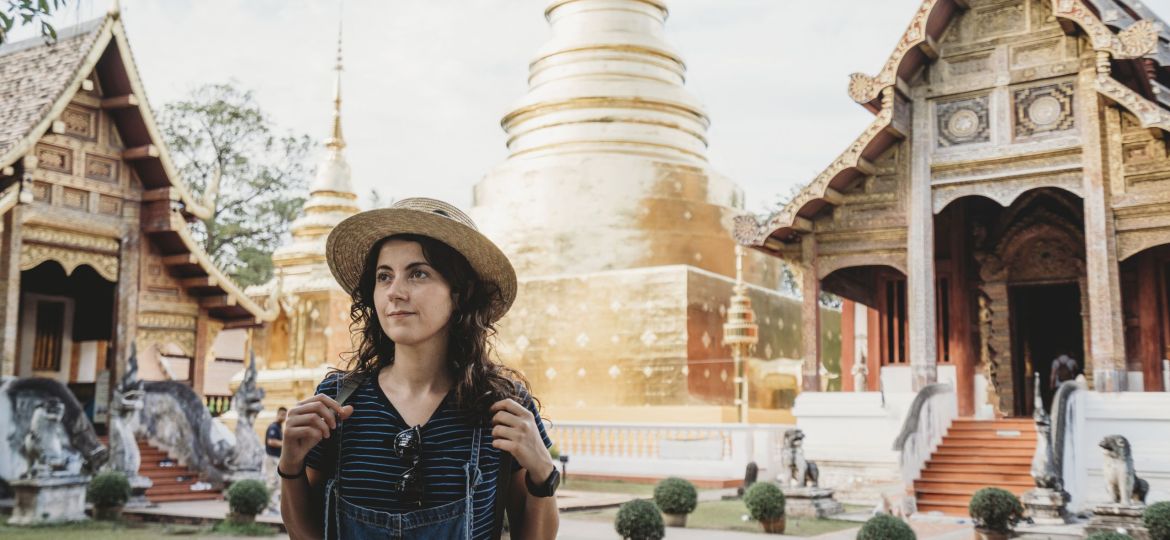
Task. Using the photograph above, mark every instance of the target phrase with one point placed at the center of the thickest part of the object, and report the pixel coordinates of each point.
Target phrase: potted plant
(886, 527)
(676, 498)
(108, 491)
(639, 519)
(765, 503)
(246, 498)
(1108, 535)
(1156, 518)
(995, 512)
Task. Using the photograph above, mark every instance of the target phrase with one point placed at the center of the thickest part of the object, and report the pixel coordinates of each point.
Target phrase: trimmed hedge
(248, 497)
(995, 509)
(886, 527)
(676, 496)
(764, 501)
(1157, 520)
(639, 519)
(108, 489)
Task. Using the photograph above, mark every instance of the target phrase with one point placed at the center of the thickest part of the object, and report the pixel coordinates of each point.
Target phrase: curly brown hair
(479, 379)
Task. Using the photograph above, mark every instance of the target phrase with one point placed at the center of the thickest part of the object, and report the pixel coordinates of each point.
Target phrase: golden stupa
(311, 332)
(620, 232)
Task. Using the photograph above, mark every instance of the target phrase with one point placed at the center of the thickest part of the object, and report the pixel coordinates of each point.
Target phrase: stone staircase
(973, 455)
(171, 481)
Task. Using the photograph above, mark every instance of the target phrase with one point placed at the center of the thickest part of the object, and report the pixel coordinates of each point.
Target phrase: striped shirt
(370, 469)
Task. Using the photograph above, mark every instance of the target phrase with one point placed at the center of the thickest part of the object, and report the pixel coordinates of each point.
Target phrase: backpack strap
(504, 477)
(348, 386)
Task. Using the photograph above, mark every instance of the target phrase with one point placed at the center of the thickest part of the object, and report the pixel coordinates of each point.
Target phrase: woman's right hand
(309, 422)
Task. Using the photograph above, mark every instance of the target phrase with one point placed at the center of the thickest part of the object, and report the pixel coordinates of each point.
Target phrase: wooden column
(198, 366)
(1106, 330)
(962, 351)
(10, 290)
(1150, 346)
(873, 348)
(920, 277)
(810, 315)
(126, 315)
(848, 344)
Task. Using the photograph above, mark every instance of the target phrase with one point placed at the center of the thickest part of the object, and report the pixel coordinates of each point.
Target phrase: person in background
(273, 441)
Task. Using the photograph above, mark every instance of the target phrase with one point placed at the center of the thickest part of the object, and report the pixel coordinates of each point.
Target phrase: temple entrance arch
(65, 326)
(1018, 276)
(875, 315)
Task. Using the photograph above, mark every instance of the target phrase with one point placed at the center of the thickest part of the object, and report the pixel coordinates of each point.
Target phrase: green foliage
(995, 509)
(219, 131)
(1157, 520)
(29, 12)
(244, 529)
(1108, 535)
(885, 527)
(554, 452)
(639, 519)
(676, 496)
(764, 501)
(108, 489)
(248, 497)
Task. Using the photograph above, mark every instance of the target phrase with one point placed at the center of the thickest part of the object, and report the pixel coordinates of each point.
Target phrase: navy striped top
(370, 469)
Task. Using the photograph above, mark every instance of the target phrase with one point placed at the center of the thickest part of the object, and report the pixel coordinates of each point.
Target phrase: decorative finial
(337, 140)
(115, 10)
(738, 264)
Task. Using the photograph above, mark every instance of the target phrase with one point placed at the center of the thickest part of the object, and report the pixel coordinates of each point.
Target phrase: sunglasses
(408, 445)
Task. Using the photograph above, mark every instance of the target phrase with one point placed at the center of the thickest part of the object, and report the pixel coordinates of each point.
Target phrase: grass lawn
(105, 530)
(728, 516)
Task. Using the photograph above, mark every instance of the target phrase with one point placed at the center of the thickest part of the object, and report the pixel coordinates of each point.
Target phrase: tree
(218, 134)
(29, 12)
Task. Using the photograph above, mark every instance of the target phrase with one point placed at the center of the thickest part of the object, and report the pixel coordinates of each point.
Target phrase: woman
(414, 448)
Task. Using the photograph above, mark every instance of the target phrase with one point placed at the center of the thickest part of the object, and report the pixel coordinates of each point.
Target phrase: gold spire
(337, 141)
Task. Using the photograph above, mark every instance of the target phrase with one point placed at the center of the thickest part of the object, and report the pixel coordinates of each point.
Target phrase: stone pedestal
(42, 501)
(138, 487)
(1118, 517)
(810, 502)
(1046, 506)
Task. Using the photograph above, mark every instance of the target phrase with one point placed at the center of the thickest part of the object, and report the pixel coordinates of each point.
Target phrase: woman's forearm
(541, 518)
(300, 508)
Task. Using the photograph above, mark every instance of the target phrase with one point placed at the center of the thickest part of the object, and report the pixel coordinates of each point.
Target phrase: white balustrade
(697, 451)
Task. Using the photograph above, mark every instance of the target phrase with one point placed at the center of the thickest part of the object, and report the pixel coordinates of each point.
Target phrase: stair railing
(1063, 429)
(926, 423)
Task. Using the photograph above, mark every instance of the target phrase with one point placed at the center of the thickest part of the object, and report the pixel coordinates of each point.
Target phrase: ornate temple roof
(38, 80)
(1138, 44)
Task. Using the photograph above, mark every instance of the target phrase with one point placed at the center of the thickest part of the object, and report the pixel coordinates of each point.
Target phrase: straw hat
(351, 240)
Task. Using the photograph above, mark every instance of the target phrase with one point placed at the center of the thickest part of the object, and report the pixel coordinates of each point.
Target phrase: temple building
(619, 230)
(311, 328)
(1009, 204)
(96, 250)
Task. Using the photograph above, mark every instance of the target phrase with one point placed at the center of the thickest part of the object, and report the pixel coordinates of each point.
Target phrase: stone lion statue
(42, 444)
(799, 472)
(1121, 480)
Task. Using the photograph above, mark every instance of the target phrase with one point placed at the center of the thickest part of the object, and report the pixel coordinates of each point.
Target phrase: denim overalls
(450, 521)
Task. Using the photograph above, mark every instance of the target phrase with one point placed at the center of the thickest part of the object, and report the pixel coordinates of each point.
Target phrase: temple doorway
(1046, 323)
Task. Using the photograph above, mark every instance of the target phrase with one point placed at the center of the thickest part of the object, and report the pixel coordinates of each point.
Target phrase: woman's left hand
(514, 431)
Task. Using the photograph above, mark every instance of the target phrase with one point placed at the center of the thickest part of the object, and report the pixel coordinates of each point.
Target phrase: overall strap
(504, 478)
(346, 388)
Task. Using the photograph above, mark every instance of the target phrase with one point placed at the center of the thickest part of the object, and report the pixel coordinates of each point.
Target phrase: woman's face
(413, 301)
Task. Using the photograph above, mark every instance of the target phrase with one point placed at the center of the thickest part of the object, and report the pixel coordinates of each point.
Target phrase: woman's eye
(419, 274)
(383, 277)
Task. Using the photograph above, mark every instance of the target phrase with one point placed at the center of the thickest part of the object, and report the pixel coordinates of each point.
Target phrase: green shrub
(1157, 520)
(995, 509)
(639, 519)
(1108, 535)
(764, 501)
(676, 496)
(247, 497)
(554, 452)
(885, 527)
(108, 489)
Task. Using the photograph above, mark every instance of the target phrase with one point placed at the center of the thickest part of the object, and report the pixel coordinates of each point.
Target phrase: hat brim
(351, 240)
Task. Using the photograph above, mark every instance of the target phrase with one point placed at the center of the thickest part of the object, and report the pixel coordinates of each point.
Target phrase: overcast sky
(427, 81)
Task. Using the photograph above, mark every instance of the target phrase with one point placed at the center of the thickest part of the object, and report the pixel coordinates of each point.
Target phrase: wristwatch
(548, 488)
